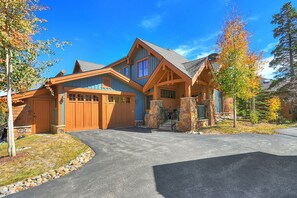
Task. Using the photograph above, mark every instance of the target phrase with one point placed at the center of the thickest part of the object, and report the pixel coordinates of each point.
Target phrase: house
(139, 87)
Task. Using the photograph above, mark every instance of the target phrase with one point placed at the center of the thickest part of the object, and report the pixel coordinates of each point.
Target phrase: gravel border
(73, 165)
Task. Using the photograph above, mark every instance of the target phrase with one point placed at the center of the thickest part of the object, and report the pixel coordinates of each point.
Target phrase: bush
(254, 118)
(274, 105)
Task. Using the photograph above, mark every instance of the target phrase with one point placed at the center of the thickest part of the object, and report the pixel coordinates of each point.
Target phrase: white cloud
(252, 18)
(266, 71)
(151, 22)
(200, 47)
(269, 47)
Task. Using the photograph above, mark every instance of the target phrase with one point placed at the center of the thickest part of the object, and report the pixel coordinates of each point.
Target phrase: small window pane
(122, 99)
(95, 98)
(145, 68)
(117, 99)
(126, 71)
(88, 98)
(167, 94)
(110, 98)
(128, 100)
(80, 97)
(72, 97)
(140, 69)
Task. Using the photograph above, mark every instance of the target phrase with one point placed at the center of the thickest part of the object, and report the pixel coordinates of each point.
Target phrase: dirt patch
(19, 155)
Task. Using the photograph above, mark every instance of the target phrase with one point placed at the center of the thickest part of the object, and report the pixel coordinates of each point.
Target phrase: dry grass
(226, 127)
(45, 152)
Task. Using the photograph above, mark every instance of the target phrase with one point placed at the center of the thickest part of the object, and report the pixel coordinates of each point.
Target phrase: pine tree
(285, 52)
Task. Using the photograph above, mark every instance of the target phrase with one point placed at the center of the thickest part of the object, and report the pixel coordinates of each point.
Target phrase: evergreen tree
(285, 52)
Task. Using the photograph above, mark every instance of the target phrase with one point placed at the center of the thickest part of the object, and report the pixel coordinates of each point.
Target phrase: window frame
(142, 71)
(104, 85)
(171, 94)
(124, 71)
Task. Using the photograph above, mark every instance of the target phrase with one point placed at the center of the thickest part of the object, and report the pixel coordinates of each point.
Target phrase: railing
(201, 110)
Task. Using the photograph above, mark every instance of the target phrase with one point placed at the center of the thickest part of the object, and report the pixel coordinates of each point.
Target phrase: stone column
(188, 116)
(156, 115)
(210, 111)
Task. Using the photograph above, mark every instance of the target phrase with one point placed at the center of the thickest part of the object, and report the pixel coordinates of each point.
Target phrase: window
(148, 101)
(128, 100)
(110, 98)
(72, 97)
(126, 71)
(88, 98)
(142, 67)
(80, 97)
(106, 82)
(117, 99)
(95, 98)
(119, 71)
(122, 99)
(167, 94)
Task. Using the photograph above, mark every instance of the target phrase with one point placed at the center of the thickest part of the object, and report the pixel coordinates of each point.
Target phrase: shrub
(254, 118)
(274, 105)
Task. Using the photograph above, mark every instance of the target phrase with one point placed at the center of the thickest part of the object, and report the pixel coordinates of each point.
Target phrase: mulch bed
(8, 159)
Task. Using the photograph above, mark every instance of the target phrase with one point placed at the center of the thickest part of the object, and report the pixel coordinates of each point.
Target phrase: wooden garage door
(82, 112)
(120, 112)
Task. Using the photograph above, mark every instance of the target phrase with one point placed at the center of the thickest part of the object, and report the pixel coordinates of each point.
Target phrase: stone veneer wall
(188, 115)
(156, 116)
(210, 111)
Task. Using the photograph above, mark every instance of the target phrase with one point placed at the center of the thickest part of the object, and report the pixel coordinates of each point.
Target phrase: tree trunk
(11, 145)
(292, 72)
(234, 111)
(253, 104)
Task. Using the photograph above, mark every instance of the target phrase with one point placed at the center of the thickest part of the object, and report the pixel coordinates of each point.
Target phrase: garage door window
(72, 97)
(88, 98)
(80, 97)
(110, 98)
(128, 100)
(95, 98)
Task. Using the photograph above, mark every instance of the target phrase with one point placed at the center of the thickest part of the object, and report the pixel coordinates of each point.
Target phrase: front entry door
(42, 116)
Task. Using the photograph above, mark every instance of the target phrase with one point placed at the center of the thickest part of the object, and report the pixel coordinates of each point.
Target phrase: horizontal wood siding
(117, 85)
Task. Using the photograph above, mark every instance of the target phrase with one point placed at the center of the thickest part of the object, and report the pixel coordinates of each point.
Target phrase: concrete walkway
(140, 163)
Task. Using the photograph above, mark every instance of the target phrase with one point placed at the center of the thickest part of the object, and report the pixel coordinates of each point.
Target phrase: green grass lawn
(45, 152)
(226, 127)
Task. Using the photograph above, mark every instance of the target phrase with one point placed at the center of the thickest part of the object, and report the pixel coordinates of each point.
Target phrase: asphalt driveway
(138, 163)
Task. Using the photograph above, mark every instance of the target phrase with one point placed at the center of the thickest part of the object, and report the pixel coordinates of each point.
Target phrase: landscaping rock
(73, 165)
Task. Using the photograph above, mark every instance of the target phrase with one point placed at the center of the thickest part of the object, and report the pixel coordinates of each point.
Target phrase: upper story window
(126, 71)
(142, 68)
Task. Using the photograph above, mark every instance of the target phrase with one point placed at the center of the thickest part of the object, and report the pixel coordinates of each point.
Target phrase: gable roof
(87, 66)
(171, 56)
(193, 66)
(77, 76)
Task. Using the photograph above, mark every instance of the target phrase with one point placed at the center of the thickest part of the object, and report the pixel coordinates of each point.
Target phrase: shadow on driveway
(244, 175)
(134, 129)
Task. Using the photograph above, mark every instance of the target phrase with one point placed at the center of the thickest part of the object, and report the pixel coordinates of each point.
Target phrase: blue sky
(104, 31)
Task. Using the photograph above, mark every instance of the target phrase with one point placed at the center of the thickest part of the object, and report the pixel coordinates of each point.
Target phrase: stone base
(22, 130)
(156, 114)
(188, 115)
(57, 129)
(203, 123)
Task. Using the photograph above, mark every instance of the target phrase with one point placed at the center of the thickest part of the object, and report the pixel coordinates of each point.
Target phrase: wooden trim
(161, 65)
(206, 65)
(122, 60)
(148, 68)
(59, 103)
(110, 71)
(170, 82)
(138, 43)
(95, 91)
(30, 94)
(188, 90)
(128, 71)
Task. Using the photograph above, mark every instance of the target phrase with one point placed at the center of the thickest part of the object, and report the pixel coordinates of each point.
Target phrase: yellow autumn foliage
(274, 105)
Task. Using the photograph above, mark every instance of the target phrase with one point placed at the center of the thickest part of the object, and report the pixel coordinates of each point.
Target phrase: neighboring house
(288, 108)
(138, 87)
